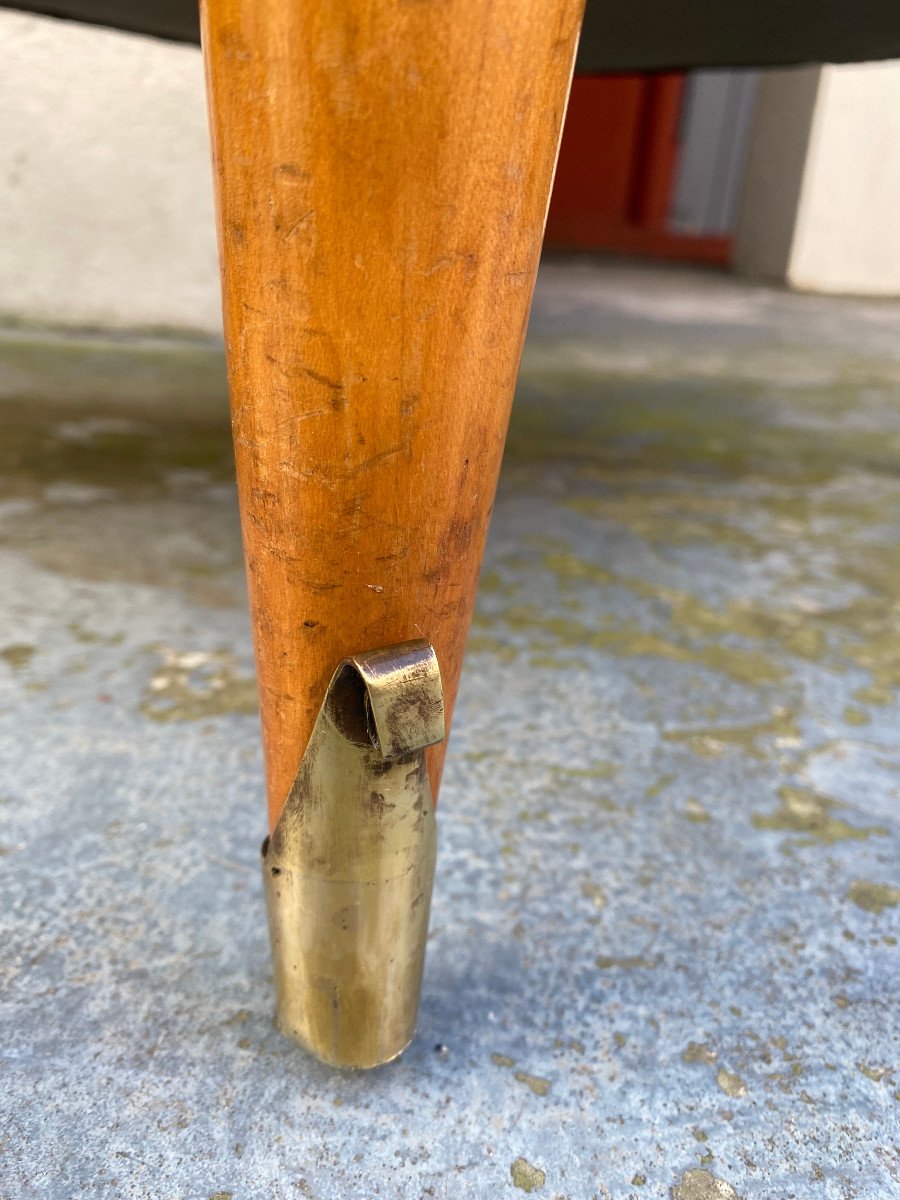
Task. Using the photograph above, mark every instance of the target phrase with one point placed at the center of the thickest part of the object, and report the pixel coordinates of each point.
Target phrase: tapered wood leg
(382, 173)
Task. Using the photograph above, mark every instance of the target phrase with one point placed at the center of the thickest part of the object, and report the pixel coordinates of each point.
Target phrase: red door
(616, 170)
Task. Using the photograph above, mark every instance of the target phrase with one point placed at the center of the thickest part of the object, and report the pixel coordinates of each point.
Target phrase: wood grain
(382, 170)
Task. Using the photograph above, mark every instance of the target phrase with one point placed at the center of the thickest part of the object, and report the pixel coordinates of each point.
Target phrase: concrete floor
(664, 938)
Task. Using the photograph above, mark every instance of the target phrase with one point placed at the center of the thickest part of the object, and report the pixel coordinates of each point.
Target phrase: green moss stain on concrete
(548, 632)
(699, 1052)
(479, 643)
(106, 491)
(595, 893)
(90, 637)
(730, 1083)
(660, 785)
(194, 685)
(526, 1176)
(628, 962)
(694, 811)
(700, 1184)
(754, 739)
(758, 469)
(877, 695)
(674, 415)
(873, 897)
(18, 655)
(153, 371)
(856, 716)
(876, 1074)
(811, 814)
(535, 1083)
(861, 632)
(108, 448)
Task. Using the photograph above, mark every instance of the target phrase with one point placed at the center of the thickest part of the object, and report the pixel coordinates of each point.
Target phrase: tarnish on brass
(349, 867)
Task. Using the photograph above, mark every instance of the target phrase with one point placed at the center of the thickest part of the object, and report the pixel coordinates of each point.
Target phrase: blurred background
(790, 175)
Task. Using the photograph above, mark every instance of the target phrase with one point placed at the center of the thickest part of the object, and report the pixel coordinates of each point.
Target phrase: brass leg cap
(349, 867)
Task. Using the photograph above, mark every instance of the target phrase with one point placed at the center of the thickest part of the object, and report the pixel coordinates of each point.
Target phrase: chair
(382, 175)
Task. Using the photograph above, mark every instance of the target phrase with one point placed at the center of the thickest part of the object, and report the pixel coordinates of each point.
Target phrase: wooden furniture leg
(382, 172)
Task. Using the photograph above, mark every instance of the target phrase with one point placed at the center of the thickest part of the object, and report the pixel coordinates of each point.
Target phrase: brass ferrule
(349, 867)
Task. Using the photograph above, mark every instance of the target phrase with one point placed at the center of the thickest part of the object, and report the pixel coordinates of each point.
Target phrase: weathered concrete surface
(663, 953)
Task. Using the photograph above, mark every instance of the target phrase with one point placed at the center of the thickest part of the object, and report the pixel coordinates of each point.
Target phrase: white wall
(106, 212)
(847, 236)
(821, 203)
